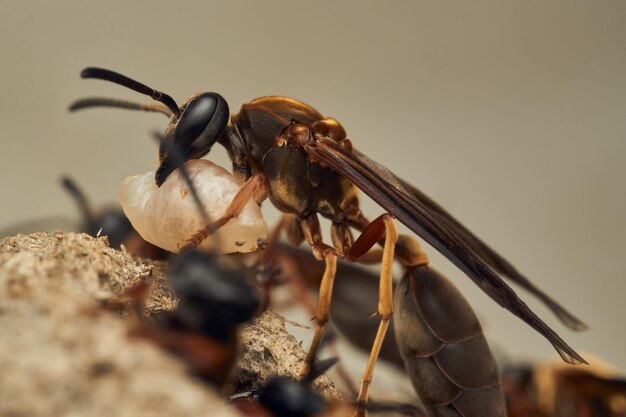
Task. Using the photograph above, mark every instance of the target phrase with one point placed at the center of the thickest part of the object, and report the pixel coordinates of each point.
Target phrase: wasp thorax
(330, 128)
(294, 135)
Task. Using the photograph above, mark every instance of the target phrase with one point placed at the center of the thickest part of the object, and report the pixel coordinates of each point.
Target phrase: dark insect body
(437, 361)
(425, 304)
(204, 328)
(554, 390)
(283, 396)
(305, 164)
(110, 222)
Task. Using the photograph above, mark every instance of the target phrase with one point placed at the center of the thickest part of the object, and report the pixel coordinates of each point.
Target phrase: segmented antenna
(177, 156)
(117, 78)
(81, 200)
(89, 102)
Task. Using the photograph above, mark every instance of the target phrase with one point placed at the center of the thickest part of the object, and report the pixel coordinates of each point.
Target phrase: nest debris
(61, 353)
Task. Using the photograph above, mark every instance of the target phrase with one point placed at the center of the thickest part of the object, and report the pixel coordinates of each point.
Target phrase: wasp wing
(388, 191)
(480, 248)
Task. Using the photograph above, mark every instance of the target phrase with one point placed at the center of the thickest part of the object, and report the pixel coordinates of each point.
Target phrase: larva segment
(166, 216)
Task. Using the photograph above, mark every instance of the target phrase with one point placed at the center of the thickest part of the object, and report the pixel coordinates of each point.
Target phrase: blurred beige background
(511, 114)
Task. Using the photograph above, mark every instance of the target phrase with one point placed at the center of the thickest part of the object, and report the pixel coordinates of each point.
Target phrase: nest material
(61, 353)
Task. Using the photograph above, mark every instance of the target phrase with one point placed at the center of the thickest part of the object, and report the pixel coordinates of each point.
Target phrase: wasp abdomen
(443, 347)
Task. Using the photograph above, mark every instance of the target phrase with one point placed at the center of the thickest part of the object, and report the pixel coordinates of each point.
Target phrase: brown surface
(61, 353)
(269, 350)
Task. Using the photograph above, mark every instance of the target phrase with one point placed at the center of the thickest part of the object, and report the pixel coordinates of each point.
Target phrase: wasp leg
(298, 285)
(311, 229)
(295, 235)
(270, 249)
(369, 237)
(246, 192)
(293, 229)
(342, 238)
(408, 251)
(272, 256)
(291, 226)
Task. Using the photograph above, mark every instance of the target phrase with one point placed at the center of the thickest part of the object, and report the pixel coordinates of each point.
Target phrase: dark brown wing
(393, 197)
(480, 248)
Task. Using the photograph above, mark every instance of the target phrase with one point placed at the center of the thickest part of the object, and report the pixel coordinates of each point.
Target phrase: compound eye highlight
(206, 116)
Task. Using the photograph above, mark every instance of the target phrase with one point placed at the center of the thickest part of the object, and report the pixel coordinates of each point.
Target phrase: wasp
(557, 390)
(283, 396)
(304, 162)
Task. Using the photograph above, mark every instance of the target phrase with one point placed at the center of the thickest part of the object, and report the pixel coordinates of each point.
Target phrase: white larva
(166, 216)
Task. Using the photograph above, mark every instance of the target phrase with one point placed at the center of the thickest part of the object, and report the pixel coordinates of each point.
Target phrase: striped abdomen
(444, 350)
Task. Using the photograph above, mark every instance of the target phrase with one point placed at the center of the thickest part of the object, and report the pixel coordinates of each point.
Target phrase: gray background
(510, 114)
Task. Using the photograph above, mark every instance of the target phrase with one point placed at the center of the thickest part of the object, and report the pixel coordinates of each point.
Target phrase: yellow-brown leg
(385, 296)
(407, 251)
(273, 237)
(312, 234)
(342, 239)
(323, 307)
(246, 192)
(293, 229)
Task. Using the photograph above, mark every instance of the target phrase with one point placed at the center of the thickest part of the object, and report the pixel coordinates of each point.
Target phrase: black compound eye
(204, 118)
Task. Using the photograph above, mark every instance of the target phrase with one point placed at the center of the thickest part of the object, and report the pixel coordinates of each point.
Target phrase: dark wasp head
(285, 397)
(110, 221)
(213, 299)
(202, 121)
(193, 128)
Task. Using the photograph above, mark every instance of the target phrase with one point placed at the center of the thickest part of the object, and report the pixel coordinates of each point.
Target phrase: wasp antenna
(117, 78)
(319, 368)
(85, 103)
(179, 160)
(81, 200)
